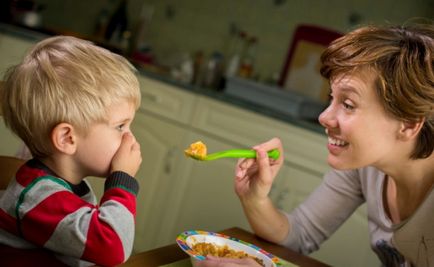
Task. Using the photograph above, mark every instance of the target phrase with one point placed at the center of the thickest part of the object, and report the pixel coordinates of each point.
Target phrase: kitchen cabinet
(202, 196)
(12, 49)
(9, 142)
(161, 144)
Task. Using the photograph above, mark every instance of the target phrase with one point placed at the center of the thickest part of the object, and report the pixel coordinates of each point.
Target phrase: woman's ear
(410, 130)
(63, 137)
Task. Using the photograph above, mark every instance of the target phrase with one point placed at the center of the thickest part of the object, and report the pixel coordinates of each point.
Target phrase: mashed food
(196, 150)
(205, 249)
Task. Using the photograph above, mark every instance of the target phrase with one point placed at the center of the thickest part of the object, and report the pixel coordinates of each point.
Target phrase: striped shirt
(39, 209)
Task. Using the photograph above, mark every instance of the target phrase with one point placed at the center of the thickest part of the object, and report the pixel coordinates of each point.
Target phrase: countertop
(35, 35)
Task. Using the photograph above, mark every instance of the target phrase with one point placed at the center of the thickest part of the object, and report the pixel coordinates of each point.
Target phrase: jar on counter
(213, 72)
(248, 61)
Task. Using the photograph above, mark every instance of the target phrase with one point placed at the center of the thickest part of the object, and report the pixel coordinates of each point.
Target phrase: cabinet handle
(169, 158)
(150, 97)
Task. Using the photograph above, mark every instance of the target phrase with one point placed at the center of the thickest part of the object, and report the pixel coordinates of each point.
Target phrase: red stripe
(26, 175)
(8, 222)
(103, 245)
(122, 196)
(47, 214)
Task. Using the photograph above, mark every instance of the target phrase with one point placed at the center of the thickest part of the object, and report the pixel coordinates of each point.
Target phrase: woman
(380, 127)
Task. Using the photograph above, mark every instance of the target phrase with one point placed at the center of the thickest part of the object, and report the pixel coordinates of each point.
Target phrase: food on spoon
(205, 249)
(196, 150)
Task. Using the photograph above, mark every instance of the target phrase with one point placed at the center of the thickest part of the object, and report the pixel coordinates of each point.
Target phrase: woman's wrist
(255, 204)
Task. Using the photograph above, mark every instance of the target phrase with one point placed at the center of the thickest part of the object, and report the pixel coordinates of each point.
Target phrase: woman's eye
(347, 106)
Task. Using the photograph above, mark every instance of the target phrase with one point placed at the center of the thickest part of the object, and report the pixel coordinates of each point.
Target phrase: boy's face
(95, 151)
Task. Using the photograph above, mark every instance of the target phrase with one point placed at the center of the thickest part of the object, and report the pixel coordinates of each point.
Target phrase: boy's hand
(128, 157)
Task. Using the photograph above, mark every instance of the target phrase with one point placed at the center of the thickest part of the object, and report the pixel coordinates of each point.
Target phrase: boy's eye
(120, 127)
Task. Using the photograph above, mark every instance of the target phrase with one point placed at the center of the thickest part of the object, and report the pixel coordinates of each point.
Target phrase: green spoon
(235, 153)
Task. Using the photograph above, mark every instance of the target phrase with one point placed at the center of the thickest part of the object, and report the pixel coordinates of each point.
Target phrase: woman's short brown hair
(402, 57)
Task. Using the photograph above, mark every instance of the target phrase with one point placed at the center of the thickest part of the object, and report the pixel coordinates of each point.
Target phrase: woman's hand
(128, 157)
(212, 261)
(254, 177)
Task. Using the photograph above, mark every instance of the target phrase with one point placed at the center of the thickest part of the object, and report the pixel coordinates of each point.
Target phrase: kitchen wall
(172, 28)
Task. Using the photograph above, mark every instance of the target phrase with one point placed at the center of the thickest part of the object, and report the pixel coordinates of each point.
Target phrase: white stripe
(70, 235)
(39, 192)
(122, 221)
(9, 198)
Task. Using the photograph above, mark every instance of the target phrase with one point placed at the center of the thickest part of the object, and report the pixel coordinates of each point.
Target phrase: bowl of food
(198, 244)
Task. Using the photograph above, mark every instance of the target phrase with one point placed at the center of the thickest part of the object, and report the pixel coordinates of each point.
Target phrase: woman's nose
(327, 118)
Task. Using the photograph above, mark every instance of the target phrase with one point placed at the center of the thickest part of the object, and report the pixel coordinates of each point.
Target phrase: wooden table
(172, 253)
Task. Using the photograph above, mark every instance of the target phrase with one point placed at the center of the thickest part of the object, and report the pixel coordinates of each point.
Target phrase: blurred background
(232, 73)
(166, 32)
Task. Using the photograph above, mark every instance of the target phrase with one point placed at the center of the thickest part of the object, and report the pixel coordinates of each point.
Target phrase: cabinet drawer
(165, 100)
(246, 128)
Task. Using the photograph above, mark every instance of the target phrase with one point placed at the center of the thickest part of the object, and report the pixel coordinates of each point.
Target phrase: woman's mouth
(336, 142)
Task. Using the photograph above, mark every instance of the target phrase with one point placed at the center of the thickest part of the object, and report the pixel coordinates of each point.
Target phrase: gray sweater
(339, 195)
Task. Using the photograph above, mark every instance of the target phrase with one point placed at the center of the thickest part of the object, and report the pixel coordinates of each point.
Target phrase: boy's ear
(63, 137)
(410, 130)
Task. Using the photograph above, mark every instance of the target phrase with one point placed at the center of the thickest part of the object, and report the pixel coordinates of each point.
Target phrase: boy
(72, 103)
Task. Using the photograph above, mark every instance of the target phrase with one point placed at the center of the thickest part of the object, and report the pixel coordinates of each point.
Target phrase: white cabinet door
(166, 101)
(161, 146)
(12, 50)
(202, 196)
(9, 142)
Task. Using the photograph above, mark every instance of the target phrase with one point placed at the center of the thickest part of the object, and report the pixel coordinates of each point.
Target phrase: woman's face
(360, 132)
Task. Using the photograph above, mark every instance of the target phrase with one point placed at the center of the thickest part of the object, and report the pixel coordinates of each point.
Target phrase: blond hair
(402, 58)
(64, 79)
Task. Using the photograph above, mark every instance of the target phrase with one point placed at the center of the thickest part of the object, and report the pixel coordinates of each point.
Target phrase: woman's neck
(407, 187)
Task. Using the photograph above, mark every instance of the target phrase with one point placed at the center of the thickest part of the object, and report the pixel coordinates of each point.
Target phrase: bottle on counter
(247, 63)
(198, 67)
(183, 71)
(233, 64)
(213, 72)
